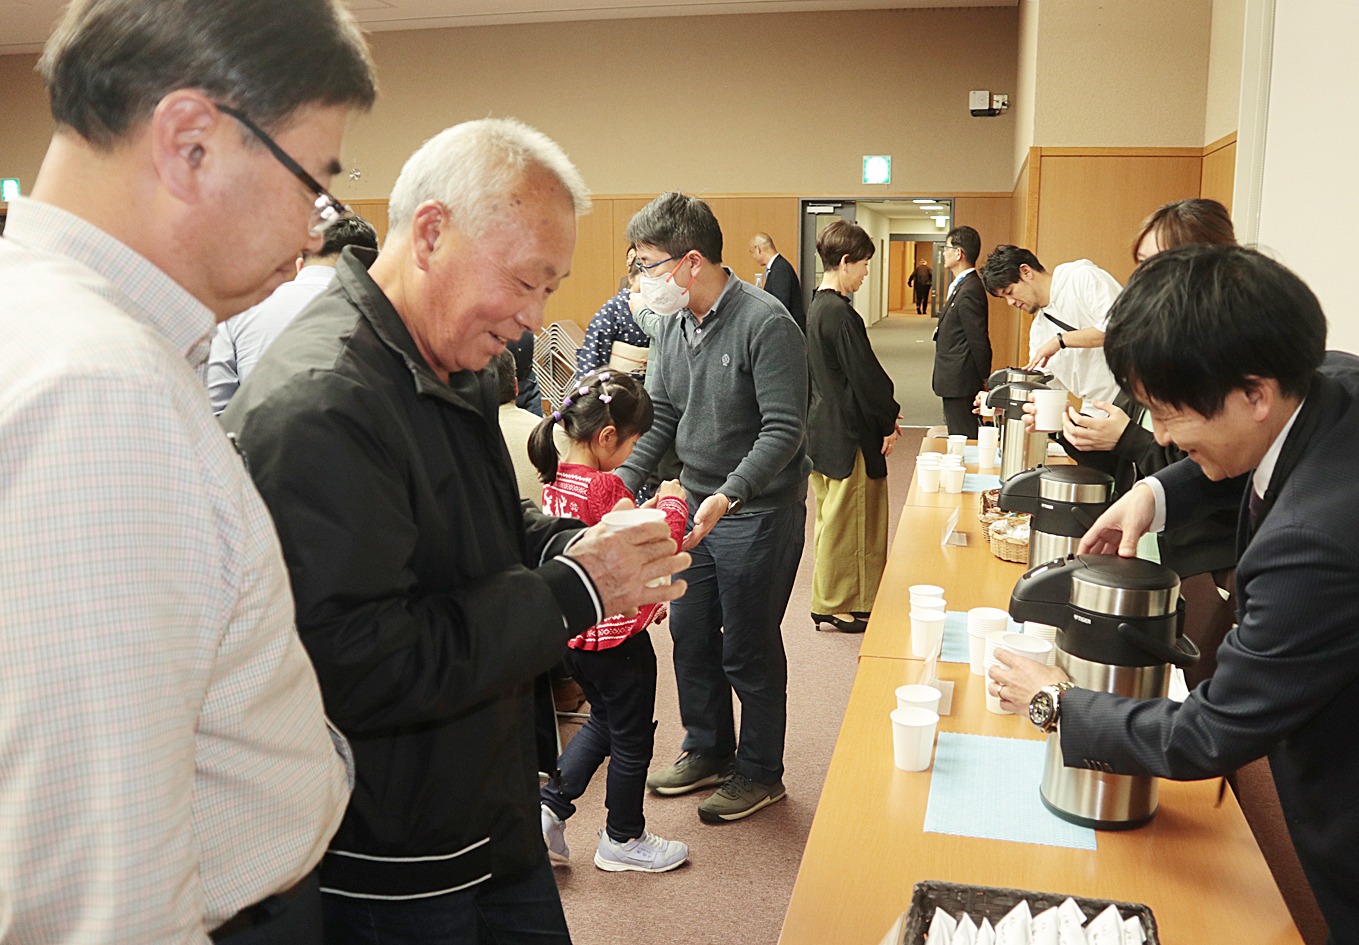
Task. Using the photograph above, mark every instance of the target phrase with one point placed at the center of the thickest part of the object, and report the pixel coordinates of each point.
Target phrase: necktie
(1254, 506)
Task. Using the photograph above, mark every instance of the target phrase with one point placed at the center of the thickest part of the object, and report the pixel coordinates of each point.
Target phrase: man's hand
(622, 561)
(1045, 351)
(1117, 530)
(1018, 678)
(712, 509)
(1094, 433)
(890, 440)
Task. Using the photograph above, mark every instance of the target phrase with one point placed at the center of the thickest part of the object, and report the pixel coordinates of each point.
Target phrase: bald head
(762, 248)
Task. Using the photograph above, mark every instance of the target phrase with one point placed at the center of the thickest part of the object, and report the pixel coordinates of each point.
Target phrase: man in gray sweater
(728, 377)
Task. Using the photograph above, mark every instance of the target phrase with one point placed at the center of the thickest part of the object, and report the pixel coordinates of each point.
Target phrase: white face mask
(663, 295)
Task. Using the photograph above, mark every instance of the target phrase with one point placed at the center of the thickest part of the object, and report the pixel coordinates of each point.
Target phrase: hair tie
(605, 398)
(604, 377)
(583, 391)
(556, 417)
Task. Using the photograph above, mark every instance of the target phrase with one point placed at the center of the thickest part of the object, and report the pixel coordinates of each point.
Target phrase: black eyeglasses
(645, 268)
(326, 211)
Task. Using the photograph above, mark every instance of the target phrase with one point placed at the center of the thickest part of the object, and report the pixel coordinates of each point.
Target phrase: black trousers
(959, 416)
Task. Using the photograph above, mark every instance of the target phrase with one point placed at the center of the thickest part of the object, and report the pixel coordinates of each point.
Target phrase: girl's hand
(672, 488)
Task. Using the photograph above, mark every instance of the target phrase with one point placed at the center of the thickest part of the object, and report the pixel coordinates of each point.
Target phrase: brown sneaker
(689, 773)
(739, 797)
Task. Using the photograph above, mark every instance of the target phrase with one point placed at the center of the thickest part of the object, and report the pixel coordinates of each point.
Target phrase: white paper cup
(918, 696)
(927, 632)
(988, 618)
(976, 650)
(993, 702)
(1025, 645)
(951, 459)
(929, 459)
(913, 738)
(957, 442)
(925, 590)
(988, 440)
(629, 518)
(986, 411)
(1049, 406)
(928, 476)
(993, 643)
(929, 603)
(951, 478)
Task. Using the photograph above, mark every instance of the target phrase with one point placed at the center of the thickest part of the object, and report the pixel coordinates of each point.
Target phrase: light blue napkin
(980, 482)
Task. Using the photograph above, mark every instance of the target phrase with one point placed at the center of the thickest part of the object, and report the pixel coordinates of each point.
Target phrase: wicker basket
(1006, 547)
(990, 506)
(993, 903)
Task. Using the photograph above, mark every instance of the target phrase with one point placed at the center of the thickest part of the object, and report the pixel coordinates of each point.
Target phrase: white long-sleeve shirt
(1080, 296)
(164, 757)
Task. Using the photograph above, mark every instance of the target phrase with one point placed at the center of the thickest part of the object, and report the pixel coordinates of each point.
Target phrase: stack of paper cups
(929, 603)
(1043, 631)
(981, 623)
(918, 696)
(927, 471)
(927, 632)
(957, 442)
(988, 441)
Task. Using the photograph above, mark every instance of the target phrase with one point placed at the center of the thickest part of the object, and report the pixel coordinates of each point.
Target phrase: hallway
(903, 346)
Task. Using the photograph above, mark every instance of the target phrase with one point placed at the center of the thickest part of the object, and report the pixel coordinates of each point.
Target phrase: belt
(264, 911)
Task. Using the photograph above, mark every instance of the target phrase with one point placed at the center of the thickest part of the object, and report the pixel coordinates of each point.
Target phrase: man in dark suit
(780, 280)
(922, 279)
(962, 344)
(1264, 402)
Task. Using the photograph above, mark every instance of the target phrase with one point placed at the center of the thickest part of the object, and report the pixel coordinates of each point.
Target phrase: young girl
(613, 661)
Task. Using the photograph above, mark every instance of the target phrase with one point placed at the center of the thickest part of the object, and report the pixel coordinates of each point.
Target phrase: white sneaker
(554, 835)
(647, 854)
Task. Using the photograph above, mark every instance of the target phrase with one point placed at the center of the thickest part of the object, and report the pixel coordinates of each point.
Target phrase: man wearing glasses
(962, 342)
(167, 773)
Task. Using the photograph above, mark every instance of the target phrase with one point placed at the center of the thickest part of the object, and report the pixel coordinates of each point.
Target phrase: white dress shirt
(164, 758)
(1080, 296)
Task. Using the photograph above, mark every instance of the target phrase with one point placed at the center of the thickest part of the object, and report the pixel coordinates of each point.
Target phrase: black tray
(993, 903)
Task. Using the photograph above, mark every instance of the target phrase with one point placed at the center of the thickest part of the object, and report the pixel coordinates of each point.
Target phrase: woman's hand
(1091, 434)
(890, 440)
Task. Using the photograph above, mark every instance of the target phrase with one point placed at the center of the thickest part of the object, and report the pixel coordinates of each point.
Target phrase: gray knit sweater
(731, 394)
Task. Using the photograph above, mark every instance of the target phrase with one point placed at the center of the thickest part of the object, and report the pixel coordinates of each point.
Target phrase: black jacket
(852, 406)
(962, 342)
(782, 284)
(419, 594)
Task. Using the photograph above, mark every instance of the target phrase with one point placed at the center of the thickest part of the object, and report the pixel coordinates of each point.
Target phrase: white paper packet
(941, 928)
(1016, 927)
(1044, 928)
(1105, 928)
(1133, 933)
(1070, 920)
(986, 935)
(966, 931)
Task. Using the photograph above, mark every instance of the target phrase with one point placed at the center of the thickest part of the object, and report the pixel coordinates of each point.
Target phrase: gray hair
(110, 62)
(467, 167)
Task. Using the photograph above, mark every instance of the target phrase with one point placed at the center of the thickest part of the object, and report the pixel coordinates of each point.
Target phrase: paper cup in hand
(630, 518)
(1050, 406)
(913, 738)
(918, 696)
(927, 632)
(1033, 647)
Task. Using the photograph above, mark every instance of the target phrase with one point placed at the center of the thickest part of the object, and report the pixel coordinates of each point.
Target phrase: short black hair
(349, 230)
(110, 62)
(840, 239)
(678, 223)
(966, 239)
(1002, 266)
(1195, 323)
(507, 381)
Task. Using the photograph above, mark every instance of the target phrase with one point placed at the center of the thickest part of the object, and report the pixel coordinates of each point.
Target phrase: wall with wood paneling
(990, 216)
(1218, 178)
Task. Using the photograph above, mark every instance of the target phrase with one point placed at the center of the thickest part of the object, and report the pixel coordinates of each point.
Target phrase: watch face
(1040, 708)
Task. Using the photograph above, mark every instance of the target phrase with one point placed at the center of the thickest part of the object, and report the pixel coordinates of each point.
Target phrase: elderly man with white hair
(427, 595)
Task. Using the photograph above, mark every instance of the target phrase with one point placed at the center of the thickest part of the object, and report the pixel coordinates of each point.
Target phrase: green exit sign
(877, 169)
(9, 188)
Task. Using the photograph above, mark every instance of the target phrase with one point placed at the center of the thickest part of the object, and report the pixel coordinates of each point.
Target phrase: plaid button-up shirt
(164, 757)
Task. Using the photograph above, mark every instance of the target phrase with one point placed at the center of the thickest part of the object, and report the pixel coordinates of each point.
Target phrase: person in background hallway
(1263, 400)
(613, 338)
(428, 595)
(241, 339)
(530, 396)
(1071, 305)
(923, 280)
(962, 340)
(613, 661)
(516, 426)
(851, 429)
(780, 280)
(728, 379)
(167, 773)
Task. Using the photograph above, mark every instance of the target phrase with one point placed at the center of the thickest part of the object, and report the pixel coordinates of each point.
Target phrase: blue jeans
(517, 910)
(620, 683)
(728, 638)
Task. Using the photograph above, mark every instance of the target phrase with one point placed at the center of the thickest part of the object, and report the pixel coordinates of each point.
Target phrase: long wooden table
(1196, 864)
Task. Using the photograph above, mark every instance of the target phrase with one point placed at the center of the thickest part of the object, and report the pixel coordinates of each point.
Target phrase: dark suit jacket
(962, 344)
(782, 284)
(852, 405)
(1287, 682)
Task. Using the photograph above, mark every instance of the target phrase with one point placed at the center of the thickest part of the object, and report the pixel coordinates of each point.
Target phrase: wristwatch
(733, 504)
(1061, 342)
(1045, 708)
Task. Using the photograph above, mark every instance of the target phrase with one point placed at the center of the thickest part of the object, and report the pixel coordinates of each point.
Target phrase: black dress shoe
(856, 625)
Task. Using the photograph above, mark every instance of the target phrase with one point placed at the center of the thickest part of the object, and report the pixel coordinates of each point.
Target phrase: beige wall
(1022, 105)
(1223, 103)
(25, 121)
(1122, 74)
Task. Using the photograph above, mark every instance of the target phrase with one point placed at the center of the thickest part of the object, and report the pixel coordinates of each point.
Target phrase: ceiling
(25, 24)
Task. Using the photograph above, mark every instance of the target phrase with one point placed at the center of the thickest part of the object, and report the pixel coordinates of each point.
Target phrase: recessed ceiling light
(924, 200)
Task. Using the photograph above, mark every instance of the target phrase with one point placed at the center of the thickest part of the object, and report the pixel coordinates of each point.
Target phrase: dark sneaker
(739, 797)
(689, 773)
